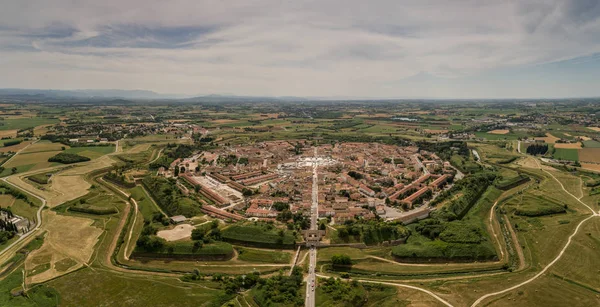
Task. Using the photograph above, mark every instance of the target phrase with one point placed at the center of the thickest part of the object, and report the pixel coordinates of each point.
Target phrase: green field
(185, 249)
(96, 202)
(114, 289)
(257, 255)
(529, 205)
(591, 144)
(37, 296)
(566, 154)
(91, 152)
(22, 123)
(145, 204)
(259, 234)
(19, 169)
(497, 137)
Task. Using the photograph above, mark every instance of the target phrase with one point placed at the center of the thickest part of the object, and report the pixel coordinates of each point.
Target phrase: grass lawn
(566, 154)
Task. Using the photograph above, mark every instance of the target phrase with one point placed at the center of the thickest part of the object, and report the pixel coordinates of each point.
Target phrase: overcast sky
(347, 48)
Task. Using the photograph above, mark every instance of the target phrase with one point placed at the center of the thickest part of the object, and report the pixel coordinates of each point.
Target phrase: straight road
(314, 210)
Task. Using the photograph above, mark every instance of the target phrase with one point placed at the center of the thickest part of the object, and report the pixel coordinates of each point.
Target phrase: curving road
(594, 214)
(441, 300)
(38, 222)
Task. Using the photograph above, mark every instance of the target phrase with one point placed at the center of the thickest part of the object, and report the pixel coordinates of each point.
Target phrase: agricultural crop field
(566, 154)
(21, 123)
(498, 220)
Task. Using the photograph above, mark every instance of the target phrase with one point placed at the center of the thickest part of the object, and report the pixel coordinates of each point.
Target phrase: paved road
(38, 222)
(311, 281)
(314, 210)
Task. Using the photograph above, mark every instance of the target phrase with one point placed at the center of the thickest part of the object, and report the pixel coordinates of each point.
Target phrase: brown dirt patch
(8, 133)
(15, 148)
(41, 130)
(529, 162)
(177, 233)
(549, 138)
(139, 148)
(597, 129)
(499, 131)
(31, 158)
(568, 145)
(67, 237)
(584, 138)
(589, 155)
(591, 166)
(66, 185)
(39, 147)
(6, 201)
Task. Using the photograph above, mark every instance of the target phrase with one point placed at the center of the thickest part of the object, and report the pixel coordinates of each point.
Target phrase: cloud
(311, 48)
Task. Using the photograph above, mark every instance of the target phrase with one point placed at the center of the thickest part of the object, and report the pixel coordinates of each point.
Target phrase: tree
(13, 170)
(198, 234)
(341, 260)
(284, 216)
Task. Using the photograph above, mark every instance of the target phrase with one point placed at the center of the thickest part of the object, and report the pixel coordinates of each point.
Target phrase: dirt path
(441, 300)
(594, 214)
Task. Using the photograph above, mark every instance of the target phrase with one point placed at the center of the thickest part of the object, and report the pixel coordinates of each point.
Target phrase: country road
(594, 214)
(38, 219)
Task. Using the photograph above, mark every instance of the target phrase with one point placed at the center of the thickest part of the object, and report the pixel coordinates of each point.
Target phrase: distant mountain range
(41, 95)
(112, 96)
(122, 94)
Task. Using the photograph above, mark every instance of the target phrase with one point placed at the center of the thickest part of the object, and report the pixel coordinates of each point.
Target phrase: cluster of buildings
(12, 222)
(355, 180)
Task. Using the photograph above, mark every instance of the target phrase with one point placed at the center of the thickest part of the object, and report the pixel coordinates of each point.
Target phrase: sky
(348, 48)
